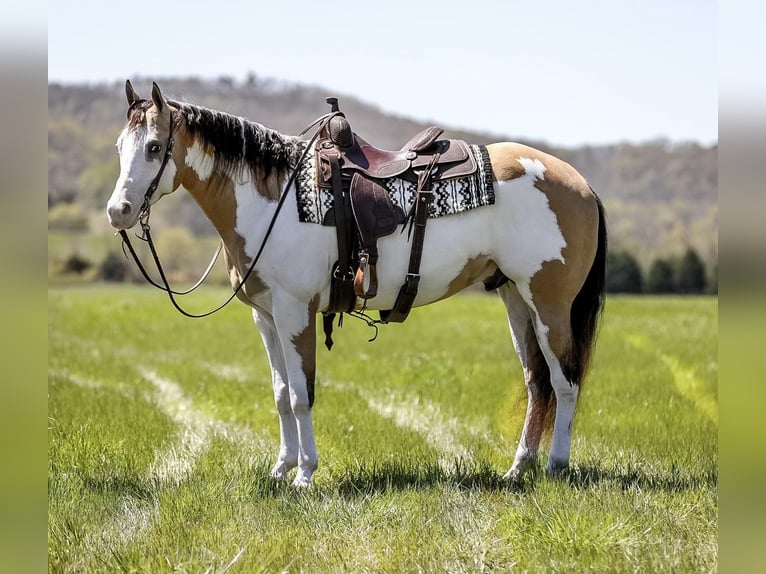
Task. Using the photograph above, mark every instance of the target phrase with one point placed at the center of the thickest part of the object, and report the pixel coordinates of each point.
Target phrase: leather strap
(342, 297)
(408, 291)
(144, 220)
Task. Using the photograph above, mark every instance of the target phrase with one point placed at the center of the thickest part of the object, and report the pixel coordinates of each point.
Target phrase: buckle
(337, 274)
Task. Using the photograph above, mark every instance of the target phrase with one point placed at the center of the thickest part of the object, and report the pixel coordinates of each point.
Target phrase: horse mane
(238, 143)
(235, 142)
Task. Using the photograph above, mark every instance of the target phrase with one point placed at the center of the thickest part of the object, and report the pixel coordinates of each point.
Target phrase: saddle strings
(362, 316)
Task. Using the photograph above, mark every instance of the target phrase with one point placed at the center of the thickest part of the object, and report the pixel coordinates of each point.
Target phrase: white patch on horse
(165, 185)
(244, 138)
(128, 145)
(291, 319)
(252, 216)
(533, 237)
(533, 167)
(531, 230)
(200, 161)
(302, 272)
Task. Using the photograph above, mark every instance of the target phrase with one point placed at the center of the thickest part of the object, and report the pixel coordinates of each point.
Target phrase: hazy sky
(562, 71)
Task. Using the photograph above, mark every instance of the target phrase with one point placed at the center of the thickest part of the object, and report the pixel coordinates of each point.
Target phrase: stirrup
(364, 265)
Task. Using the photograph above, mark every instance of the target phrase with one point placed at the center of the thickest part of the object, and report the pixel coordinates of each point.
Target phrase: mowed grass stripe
(641, 494)
(684, 378)
(132, 516)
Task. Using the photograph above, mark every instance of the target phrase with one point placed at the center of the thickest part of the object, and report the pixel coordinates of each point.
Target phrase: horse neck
(224, 197)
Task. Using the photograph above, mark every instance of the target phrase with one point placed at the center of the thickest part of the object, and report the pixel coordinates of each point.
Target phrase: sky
(569, 73)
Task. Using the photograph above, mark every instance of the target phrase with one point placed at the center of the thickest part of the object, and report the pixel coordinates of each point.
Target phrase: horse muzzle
(122, 214)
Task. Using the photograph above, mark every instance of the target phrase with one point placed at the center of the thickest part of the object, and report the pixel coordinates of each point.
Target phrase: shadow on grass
(396, 475)
(407, 475)
(632, 476)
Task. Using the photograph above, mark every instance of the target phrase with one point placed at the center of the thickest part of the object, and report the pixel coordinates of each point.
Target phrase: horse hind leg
(554, 335)
(536, 380)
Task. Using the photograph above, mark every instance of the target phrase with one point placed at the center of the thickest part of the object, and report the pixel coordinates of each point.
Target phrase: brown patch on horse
(158, 121)
(577, 217)
(305, 345)
(269, 187)
(475, 269)
(504, 158)
(556, 285)
(215, 196)
(542, 397)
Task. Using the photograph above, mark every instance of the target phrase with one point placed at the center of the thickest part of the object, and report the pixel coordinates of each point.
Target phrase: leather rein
(147, 236)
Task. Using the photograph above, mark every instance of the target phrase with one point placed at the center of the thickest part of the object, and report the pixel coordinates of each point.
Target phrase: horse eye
(155, 148)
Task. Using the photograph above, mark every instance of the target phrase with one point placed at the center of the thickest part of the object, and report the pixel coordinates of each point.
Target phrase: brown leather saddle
(355, 172)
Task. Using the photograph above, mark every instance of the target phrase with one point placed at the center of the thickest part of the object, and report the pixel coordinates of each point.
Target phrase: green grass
(162, 431)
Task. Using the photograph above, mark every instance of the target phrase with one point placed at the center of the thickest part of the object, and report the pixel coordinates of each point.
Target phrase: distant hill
(660, 196)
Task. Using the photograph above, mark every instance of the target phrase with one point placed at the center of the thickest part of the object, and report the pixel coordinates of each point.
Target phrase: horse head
(145, 147)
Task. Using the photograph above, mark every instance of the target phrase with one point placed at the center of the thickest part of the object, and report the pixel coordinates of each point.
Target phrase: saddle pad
(451, 196)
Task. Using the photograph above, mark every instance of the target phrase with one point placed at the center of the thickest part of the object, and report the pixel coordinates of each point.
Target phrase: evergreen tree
(661, 278)
(690, 273)
(623, 273)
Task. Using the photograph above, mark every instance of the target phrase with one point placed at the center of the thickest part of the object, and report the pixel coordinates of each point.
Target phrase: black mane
(238, 143)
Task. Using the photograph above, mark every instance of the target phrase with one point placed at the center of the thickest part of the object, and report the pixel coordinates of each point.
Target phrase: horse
(545, 233)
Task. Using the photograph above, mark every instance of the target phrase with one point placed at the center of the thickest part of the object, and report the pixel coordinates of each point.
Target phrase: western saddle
(354, 171)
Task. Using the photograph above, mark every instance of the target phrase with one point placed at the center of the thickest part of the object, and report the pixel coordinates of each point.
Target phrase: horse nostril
(125, 208)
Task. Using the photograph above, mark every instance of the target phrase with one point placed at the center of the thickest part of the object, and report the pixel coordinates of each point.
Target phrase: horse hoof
(280, 470)
(519, 468)
(302, 482)
(514, 474)
(556, 467)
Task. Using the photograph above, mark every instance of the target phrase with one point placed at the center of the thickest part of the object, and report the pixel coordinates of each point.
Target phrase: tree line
(685, 274)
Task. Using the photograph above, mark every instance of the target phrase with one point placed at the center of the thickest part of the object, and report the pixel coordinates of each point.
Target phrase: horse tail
(588, 305)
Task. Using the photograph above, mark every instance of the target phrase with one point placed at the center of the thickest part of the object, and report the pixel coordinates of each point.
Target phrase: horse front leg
(296, 328)
(288, 427)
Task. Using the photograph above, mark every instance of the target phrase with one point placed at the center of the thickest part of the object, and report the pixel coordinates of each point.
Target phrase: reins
(147, 236)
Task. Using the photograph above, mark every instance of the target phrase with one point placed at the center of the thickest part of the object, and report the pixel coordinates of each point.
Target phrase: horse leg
(554, 335)
(288, 429)
(536, 379)
(296, 328)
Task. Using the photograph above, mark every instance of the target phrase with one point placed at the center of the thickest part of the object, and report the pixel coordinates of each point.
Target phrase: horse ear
(157, 98)
(130, 93)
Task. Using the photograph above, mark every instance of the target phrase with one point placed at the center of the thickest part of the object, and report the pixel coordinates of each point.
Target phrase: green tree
(661, 277)
(67, 217)
(690, 273)
(623, 273)
(113, 267)
(712, 285)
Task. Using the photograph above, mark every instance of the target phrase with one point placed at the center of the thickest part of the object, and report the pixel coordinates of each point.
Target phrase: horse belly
(457, 252)
(517, 235)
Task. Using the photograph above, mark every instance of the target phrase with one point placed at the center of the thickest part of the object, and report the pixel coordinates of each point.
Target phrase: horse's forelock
(137, 112)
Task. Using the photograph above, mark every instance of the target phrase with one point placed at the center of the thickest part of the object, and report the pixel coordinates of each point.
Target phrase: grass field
(162, 431)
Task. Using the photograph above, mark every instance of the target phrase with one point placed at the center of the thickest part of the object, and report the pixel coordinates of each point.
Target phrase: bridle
(146, 230)
(146, 235)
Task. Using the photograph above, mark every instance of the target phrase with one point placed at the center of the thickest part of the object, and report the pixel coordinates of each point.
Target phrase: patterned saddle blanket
(451, 196)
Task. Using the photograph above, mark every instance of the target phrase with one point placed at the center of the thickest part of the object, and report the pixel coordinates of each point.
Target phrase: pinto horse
(545, 233)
